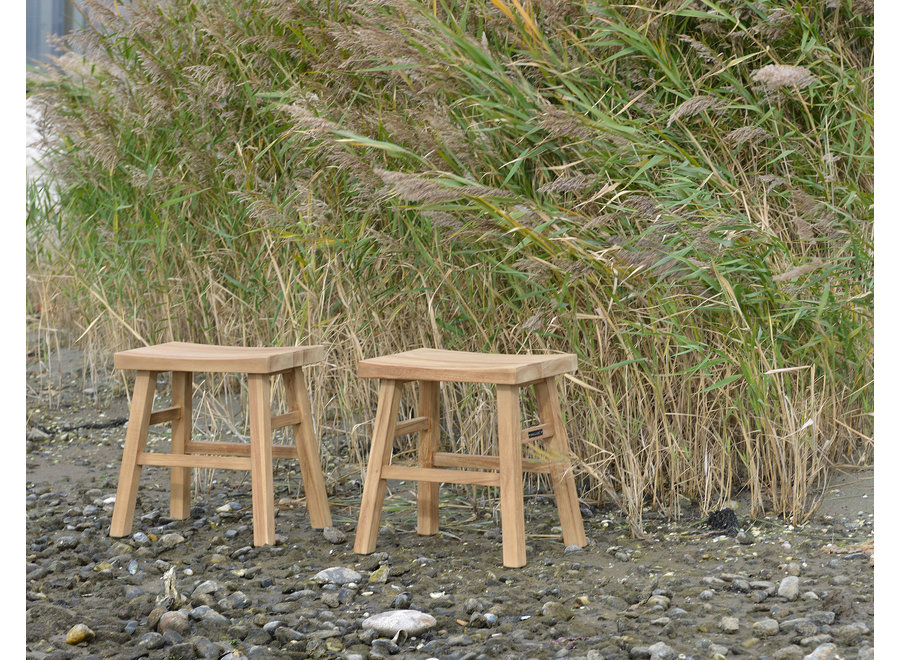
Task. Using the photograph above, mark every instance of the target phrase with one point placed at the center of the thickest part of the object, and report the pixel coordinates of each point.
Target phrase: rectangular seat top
(182, 356)
(463, 367)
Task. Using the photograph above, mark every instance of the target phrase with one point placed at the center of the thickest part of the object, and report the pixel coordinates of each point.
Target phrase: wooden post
(379, 455)
(307, 450)
(135, 443)
(262, 484)
(561, 475)
(512, 511)
(180, 478)
(429, 442)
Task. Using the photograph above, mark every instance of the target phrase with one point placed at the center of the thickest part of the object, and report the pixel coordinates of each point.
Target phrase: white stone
(337, 575)
(824, 652)
(391, 622)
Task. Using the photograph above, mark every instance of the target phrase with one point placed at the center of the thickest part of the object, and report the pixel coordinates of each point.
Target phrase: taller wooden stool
(509, 373)
(260, 364)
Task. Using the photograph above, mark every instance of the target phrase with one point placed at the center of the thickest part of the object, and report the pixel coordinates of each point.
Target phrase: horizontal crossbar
(413, 425)
(193, 461)
(407, 473)
(165, 415)
(539, 432)
(236, 449)
(287, 419)
(446, 459)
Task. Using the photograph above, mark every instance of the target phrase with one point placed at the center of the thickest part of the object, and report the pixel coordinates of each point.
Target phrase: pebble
(380, 575)
(337, 575)
(171, 539)
(765, 627)
(789, 587)
(208, 615)
(79, 633)
(207, 587)
(824, 652)
(729, 624)
(391, 622)
(557, 610)
(177, 621)
(403, 601)
(334, 535)
(662, 651)
(67, 542)
(151, 641)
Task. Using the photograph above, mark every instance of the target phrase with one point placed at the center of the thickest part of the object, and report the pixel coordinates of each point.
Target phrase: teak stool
(508, 373)
(260, 364)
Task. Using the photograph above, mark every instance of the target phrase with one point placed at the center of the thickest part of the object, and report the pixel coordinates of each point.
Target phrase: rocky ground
(197, 588)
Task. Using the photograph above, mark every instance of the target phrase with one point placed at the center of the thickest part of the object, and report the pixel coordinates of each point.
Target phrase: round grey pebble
(766, 627)
(151, 641)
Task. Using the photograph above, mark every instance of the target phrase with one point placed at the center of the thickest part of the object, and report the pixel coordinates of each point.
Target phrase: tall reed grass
(679, 192)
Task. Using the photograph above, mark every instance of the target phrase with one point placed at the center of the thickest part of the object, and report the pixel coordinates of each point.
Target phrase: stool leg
(135, 442)
(307, 450)
(561, 475)
(261, 460)
(429, 441)
(180, 478)
(512, 511)
(379, 455)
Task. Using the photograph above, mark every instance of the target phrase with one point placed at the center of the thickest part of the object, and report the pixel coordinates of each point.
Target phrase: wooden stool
(260, 364)
(508, 373)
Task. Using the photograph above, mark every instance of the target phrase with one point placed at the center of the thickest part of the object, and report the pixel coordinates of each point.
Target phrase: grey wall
(43, 17)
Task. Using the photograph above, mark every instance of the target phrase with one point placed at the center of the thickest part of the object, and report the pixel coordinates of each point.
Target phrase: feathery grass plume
(413, 188)
(775, 27)
(561, 124)
(694, 106)
(747, 134)
(569, 183)
(769, 181)
(799, 271)
(642, 205)
(805, 231)
(776, 76)
(864, 7)
(703, 51)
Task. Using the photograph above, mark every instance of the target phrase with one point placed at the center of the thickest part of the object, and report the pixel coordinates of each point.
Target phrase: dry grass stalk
(694, 106)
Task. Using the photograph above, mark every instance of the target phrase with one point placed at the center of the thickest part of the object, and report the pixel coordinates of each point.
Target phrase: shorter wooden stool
(509, 373)
(260, 364)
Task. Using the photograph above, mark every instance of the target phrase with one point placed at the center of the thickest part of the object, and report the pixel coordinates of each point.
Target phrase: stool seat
(464, 367)
(184, 356)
